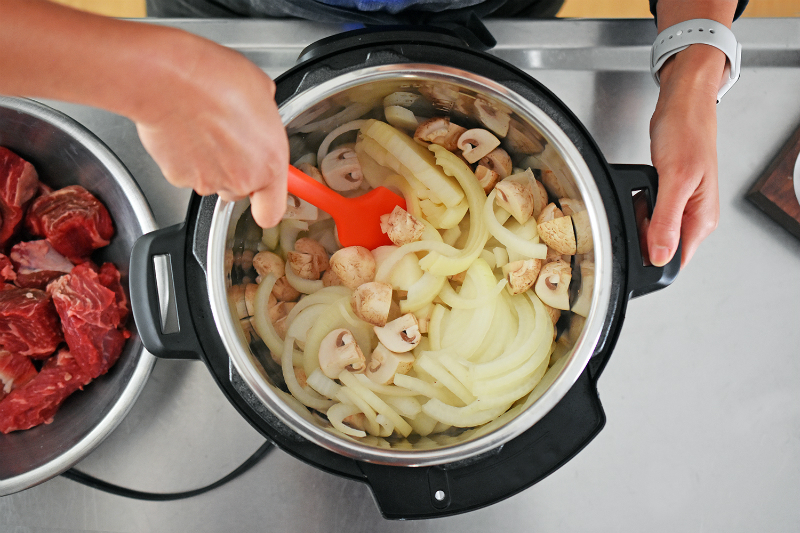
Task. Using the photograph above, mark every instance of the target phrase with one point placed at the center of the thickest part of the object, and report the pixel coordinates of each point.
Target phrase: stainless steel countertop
(702, 393)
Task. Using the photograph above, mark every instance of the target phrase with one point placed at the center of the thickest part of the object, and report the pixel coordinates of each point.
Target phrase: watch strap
(698, 31)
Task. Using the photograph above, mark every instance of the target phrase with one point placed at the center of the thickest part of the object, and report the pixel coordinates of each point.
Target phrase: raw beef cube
(38, 263)
(7, 273)
(109, 277)
(92, 317)
(29, 324)
(72, 220)
(15, 371)
(18, 184)
(38, 400)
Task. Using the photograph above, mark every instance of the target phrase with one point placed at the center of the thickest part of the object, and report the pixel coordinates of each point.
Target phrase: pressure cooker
(462, 473)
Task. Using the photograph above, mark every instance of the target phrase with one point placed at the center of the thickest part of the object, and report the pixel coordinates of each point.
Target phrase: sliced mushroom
(401, 334)
(424, 317)
(570, 206)
(554, 314)
(339, 351)
(539, 197)
(552, 285)
(584, 300)
(283, 290)
(487, 178)
(354, 265)
(492, 116)
(250, 298)
(552, 184)
(497, 160)
(583, 232)
(439, 130)
(558, 234)
(516, 199)
(309, 169)
(476, 144)
(298, 209)
(522, 139)
(521, 274)
(401, 226)
(341, 169)
(278, 314)
(303, 265)
(550, 212)
(372, 301)
(384, 364)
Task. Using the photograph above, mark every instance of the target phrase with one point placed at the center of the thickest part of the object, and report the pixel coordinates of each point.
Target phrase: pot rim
(573, 363)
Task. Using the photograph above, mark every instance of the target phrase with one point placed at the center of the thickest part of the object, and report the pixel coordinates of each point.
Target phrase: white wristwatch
(698, 31)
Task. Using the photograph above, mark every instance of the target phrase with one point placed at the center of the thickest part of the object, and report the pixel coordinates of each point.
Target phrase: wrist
(700, 67)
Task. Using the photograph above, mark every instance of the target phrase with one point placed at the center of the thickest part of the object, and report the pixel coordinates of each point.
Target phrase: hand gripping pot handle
(159, 294)
(628, 180)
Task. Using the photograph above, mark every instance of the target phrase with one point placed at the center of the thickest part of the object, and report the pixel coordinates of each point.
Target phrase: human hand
(217, 128)
(683, 146)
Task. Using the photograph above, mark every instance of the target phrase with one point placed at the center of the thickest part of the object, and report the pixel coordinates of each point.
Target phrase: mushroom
(552, 286)
(583, 232)
(268, 263)
(284, 292)
(487, 178)
(570, 206)
(439, 130)
(310, 170)
(558, 234)
(339, 351)
(384, 364)
(330, 278)
(298, 209)
(554, 314)
(497, 160)
(372, 301)
(492, 117)
(309, 258)
(400, 117)
(354, 265)
(459, 277)
(548, 213)
(552, 184)
(401, 226)
(539, 197)
(250, 298)
(401, 334)
(476, 144)
(341, 169)
(521, 274)
(516, 199)
(523, 139)
(584, 300)
(300, 375)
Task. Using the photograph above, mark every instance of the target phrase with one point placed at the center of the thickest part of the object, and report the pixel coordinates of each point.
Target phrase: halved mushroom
(523, 139)
(539, 197)
(553, 184)
(487, 178)
(552, 286)
(516, 199)
(310, 170)
(550, 212)
(341, 169)
(339, 351)
(384, 364)
(283, 290)
(278, 314)
(558, 234)
(521, 274)
(298, 209)
(372, 301)
(584, 300)
(401, 334)
(401, 226)
(497, 160)
(476, 144)
(330, 278)
(492, 116)
(583, 232)
(268, 263)
(303, 265)
(354, 265)
(439, 130)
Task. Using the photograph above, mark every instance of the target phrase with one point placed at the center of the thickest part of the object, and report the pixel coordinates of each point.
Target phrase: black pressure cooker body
(412, 492)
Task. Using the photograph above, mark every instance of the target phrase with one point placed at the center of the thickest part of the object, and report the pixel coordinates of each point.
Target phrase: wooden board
(774, 191)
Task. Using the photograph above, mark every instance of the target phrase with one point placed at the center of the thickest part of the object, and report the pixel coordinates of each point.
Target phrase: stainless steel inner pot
(369, 86)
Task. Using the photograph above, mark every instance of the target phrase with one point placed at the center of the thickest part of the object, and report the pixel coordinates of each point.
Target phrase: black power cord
(93, 482)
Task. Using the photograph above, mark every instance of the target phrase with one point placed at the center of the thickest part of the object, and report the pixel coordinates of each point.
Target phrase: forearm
(50, 51)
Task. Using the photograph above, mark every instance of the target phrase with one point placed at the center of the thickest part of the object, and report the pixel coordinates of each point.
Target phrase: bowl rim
(146, 360)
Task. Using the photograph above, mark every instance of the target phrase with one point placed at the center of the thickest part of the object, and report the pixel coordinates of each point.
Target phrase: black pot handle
(435, 491)
(164, 325)
(642, 279)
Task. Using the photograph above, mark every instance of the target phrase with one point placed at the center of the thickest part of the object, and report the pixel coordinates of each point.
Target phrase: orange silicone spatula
(358, 220)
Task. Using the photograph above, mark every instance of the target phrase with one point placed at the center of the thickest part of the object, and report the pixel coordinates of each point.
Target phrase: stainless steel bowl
(65, 153)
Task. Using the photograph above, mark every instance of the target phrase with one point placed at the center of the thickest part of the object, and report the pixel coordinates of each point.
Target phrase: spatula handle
(307, 188)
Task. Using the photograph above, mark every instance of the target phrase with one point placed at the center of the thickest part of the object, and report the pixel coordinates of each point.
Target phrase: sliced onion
(344, 128)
